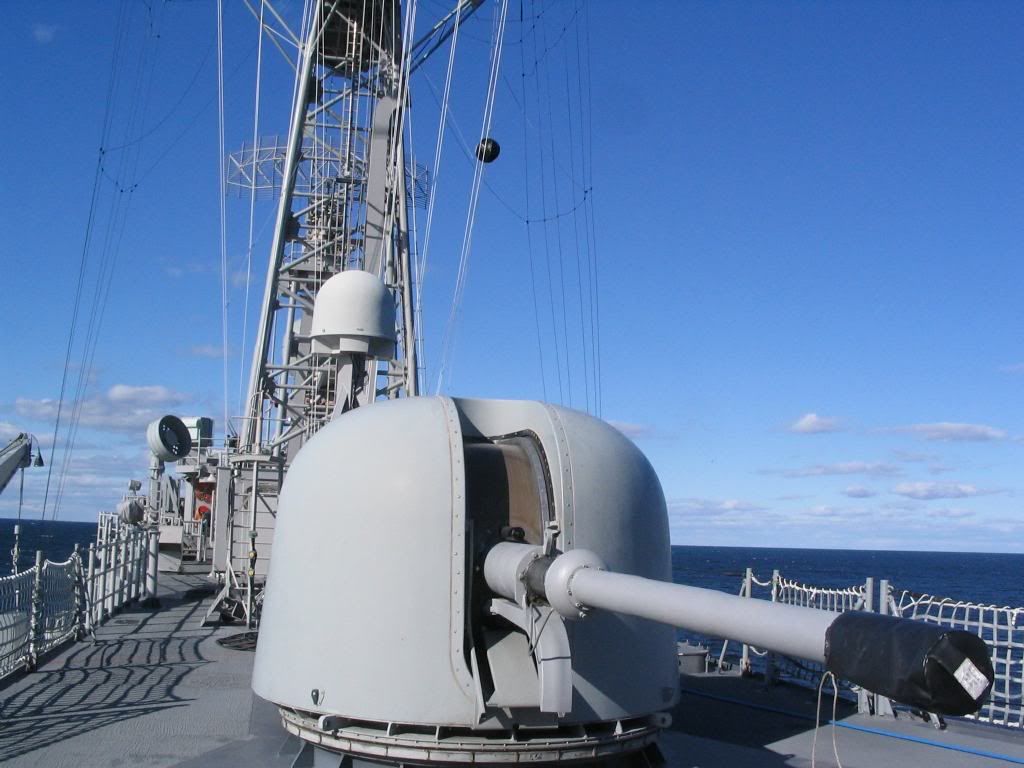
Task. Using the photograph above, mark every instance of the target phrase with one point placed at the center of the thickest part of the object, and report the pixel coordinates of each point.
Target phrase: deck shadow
(745, 713)
(117, 678)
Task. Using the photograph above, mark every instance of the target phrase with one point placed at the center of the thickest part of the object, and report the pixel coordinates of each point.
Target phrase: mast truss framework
(342, 206)
(345, 191)
(343, 198)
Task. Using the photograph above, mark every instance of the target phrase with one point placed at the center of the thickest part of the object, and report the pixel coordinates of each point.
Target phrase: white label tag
(970, 677)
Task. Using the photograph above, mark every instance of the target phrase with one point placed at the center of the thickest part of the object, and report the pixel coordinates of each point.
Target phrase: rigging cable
(470, 156)
(588, 211)
(576, 236)
(557, 224)
(407, 269)
(116, 225)
(174, 108)
(252, 208)
(544, 205)
(529, 233)
(438, 148)
(414, 255)
(84, 257)
(467, 236)
(221, 185)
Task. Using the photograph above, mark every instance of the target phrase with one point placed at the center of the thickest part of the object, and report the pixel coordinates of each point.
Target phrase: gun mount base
(339, 742)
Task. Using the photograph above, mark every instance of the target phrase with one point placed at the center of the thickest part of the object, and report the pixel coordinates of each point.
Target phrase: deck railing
(52, 603)
(1001, 627)
(15, 619)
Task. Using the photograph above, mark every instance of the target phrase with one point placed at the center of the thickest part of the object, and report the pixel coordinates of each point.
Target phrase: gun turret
(479, 581)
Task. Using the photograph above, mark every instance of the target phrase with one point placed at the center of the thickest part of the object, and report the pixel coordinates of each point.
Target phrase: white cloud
(712, 507)
(903, 506)
(912, 457)
(8, 431)
(631, 430)
(926, 491)
(950, 431)
(638, 431)
(123, 407)
(870, 468)
(825, 510)
(950, 514)
(96, 480)
(812, 424)
(44, 33)
(901, 523)
(859, 492)
(153, 394)
(182, 268)
(207, 350)
(1014, 368)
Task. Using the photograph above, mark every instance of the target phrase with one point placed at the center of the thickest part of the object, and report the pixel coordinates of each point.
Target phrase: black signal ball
(487, 150)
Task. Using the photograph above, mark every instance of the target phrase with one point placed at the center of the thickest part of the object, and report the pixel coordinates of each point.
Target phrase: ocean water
(55, 539)
(973, 576)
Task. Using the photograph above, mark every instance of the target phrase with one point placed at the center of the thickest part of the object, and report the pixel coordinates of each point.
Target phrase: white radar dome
(354, 312)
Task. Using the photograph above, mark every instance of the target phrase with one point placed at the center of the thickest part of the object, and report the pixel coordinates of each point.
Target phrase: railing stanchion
(748, 579)
(101, 598)
(152, 566)
(133, 568)
(35, 624)
(122, 594)
(78, 593)
(883, 707)
(90, 587)
(866, 700)
(115, 572)
(770, 670)
(140, 559)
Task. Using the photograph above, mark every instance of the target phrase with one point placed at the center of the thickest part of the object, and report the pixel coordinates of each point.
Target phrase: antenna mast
(343, 205)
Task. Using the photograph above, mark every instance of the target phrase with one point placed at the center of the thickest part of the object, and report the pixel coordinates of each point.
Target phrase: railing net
(838, 599)
(74, 597)
(59, 620)
(15, 619)
(1001, 627)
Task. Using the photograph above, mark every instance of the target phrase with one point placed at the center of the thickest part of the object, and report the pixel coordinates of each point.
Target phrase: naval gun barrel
(924, 665)
(786, 629)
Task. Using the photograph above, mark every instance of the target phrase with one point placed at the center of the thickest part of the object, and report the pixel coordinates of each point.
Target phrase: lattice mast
(343, 205)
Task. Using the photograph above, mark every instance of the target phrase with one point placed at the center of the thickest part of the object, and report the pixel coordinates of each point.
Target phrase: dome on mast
(354, 313)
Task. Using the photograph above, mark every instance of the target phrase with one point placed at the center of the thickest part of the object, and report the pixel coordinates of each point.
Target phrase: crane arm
(14, 456)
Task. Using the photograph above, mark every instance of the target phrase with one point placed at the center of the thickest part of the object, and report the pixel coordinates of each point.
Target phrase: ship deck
(155, 689)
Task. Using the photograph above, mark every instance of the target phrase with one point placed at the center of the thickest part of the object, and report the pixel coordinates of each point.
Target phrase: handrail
(1002, 627)
(52, 603)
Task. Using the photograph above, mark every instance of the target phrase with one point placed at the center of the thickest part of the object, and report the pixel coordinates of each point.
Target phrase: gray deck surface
(155, 689)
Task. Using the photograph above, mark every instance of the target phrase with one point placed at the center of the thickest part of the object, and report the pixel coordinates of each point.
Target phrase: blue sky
(809, 241)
